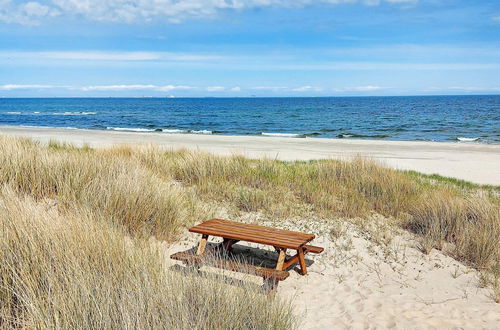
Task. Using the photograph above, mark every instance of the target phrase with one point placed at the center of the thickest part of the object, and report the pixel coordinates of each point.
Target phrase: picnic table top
(253, 233)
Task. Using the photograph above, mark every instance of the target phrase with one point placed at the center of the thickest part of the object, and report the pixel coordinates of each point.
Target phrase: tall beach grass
(76, 271)
(150, 191)
(76, 249)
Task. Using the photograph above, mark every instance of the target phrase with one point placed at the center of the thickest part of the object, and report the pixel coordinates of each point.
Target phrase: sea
(461, 119)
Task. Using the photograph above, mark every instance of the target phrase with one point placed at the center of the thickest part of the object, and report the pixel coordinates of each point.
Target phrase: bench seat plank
(313, 249)
(266, 273)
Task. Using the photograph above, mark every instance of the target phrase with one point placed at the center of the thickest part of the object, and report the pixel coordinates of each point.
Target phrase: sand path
(473, 162)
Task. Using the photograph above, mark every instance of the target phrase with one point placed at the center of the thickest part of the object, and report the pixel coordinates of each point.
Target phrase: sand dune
(357, 283)
(467, 161)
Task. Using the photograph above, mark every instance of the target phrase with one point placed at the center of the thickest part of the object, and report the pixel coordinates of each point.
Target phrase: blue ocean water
(427, 118)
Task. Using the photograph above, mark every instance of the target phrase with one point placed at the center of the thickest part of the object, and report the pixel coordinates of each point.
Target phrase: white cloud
(35, 9)
(368, 88)
(307, 89)
(95, 55)
(485, 57)
(385, 66)
(116, 87)
(129, 11)
(215, 88)
(26, 13)
(169, 88)
(270, 88)
(474, 89)
(165, 88)
(9, 87)
(235, 89)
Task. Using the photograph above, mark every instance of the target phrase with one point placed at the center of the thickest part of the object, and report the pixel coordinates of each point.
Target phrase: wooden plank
(266, 273)
(281, 259)
(251, 238)
(263, 228)
(253, 233)
(291, 261)
(312, 249)
(202, 245)
(302, 261)
(307, 249)
(256, 228)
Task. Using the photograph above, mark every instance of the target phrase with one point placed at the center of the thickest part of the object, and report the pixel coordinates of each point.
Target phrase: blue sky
(242, 48)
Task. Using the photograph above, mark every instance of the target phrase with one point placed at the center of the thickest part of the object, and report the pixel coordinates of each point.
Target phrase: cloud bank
(368, 88)
(130, 11)
(169, 88)
(10, 87)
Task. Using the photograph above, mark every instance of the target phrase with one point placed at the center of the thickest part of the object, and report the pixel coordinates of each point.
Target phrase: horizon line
(233, 97)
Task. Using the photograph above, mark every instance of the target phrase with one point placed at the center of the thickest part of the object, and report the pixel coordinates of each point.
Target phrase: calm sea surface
(427, 118)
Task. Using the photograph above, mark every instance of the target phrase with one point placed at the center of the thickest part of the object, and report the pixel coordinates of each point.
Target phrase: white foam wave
(14, 112)
(200, 132)
(69, 113)
(292, 135)
(126, 129)
(465, 139)
(57, 127)
(159, 130)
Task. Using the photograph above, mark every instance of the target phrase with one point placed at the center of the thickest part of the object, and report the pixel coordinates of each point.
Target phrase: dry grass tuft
(75, 271)
(108, 182)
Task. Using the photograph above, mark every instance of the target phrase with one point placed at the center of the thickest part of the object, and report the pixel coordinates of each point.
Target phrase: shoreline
(477, 163)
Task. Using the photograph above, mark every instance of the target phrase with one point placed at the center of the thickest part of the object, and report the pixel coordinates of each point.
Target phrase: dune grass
(465, 215)
(75, 271)
(153, 192)
(130, 194)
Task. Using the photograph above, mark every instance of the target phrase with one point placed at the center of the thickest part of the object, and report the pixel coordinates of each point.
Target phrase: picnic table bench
(233, 232)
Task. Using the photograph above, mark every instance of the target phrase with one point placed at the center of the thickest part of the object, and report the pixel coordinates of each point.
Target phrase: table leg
(302, 261)
(281, 259)
(202, 245)
(227, 244)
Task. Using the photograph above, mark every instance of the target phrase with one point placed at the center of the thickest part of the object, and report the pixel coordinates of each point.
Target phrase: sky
(241, 48)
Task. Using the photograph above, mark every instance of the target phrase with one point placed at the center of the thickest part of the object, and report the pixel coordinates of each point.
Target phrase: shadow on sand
(245, 255)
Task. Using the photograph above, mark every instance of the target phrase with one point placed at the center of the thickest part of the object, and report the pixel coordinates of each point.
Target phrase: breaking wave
(466, 139)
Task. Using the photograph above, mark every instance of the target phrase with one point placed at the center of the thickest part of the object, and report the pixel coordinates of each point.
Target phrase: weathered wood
(253, 233)
(302, 261)
(202, 245)
(232, 232)
(312, 249)
(227, 244)
(281, 259)
(266, 273)
(307, 249)
(290, 261)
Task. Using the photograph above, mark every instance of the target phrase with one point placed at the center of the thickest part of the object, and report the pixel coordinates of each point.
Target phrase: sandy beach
(472, 162)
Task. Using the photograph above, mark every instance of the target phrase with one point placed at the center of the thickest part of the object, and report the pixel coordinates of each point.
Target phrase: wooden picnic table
(233, 232)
